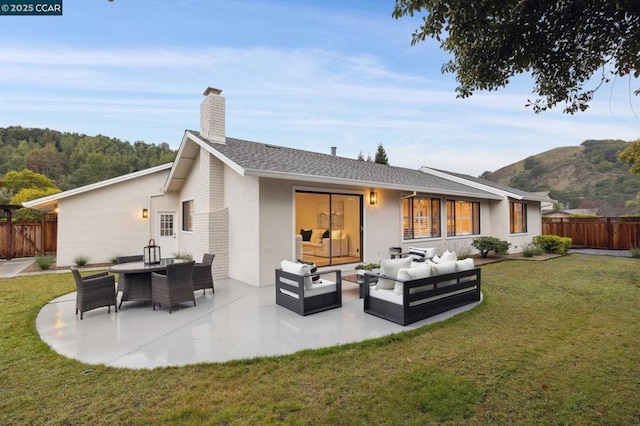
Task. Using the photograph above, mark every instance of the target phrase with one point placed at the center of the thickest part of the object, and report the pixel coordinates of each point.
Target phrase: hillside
(585, 176)
(71, 159)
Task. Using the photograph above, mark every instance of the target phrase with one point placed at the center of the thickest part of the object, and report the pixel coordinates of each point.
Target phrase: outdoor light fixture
(145, 213)
(373, 198)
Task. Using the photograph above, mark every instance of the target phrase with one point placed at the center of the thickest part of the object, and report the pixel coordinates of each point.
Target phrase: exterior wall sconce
(373, 198)
(145, 213)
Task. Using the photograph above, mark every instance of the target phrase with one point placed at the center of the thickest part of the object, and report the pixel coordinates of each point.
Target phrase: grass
(555, 342)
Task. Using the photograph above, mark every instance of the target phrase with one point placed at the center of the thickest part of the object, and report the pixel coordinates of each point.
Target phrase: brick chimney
(212, 116)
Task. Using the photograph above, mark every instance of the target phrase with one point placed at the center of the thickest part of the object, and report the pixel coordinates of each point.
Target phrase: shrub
(114, 258)
(487, 244)
(367, 266)
(183, 256)
(462, 250)
(45, 262)
(81, 260)
(553, 243)
(635, 252)
(531, 250)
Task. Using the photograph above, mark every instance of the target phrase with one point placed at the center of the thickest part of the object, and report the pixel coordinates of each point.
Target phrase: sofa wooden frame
(307, 305)
(442, 297)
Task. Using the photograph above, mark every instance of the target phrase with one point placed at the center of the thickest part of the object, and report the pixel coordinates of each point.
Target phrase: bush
(184, 256)
(531, 250)
(81, 260)
(635, 252)
(367, 266)
(487, 244)
(553, 243)
(45, 262)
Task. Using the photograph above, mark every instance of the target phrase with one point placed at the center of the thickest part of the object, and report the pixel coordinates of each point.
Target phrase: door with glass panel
(166, 234)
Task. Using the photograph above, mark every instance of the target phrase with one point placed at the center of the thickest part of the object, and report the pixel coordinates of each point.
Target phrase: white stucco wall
(107, 221)
(242, 198)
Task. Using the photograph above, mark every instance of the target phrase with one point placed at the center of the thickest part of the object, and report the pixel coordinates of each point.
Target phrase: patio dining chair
(94, 291)
(126, 259)
(202, 275)
(173, 288)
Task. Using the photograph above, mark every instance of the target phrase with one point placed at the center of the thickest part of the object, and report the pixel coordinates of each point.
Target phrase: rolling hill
(585, 176)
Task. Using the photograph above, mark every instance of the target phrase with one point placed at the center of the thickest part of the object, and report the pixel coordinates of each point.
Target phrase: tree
(26, 179)
(360, 157)
(381, 156)
(561, 43)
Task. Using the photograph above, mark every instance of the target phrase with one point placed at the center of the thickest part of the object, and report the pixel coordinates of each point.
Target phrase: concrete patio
(239, 321)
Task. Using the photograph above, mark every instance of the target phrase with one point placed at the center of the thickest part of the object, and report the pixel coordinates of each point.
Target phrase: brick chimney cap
(212, 90)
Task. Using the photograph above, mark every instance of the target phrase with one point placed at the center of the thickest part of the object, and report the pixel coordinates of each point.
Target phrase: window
(420, 217)
(187, 215)
(463, 218)
(517, 218)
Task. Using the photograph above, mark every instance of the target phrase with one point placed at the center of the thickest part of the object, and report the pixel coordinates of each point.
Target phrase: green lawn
(555, 342)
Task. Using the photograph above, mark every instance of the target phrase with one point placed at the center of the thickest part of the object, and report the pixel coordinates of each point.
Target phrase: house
(254, 204)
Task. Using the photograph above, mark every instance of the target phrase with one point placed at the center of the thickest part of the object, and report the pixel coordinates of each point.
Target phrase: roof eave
(361, 183)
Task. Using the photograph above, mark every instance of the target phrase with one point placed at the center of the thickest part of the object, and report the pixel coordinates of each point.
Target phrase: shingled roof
(265, 160)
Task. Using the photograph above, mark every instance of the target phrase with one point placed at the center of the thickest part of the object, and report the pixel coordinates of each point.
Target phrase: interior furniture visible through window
(328, 227)
(463, 218)
(187, 215)
(517, 217)
(420, 217)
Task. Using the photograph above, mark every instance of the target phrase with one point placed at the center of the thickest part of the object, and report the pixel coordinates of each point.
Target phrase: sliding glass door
(330, 227)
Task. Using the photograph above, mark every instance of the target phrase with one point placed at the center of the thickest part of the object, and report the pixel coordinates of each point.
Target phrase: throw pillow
(444, 268)
(326, 234)
(315, 277)
(448, 256)
(418, 254)
(465, 264)
(390, 268)
(298, 269)
(306, 234)
(435, 259)
(316, 236)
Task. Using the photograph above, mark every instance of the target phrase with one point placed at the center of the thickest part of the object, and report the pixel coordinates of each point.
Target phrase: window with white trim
(420, 217)
(463, 218)
(517, 217)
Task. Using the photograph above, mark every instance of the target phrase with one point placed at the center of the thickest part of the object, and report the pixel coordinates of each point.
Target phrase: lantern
(151, 254)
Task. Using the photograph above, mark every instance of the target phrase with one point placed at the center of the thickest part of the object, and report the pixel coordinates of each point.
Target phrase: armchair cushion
(306, 234)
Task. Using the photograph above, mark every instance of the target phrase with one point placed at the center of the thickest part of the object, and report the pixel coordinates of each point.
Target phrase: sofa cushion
(413, 273)
(316, 235)
(336, 235)
(390, 268)
(306, 234)
(298, 269)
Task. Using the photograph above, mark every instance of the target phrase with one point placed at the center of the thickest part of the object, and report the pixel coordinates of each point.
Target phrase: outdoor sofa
(406, 291)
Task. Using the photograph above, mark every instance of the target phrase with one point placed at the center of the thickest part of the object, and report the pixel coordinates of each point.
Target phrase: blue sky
(309, 75)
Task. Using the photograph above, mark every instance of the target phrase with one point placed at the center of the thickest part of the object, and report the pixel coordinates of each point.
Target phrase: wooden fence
(611, 233)
(27, 238)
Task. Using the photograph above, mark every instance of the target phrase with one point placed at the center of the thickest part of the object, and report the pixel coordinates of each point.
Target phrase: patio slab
(238, 321)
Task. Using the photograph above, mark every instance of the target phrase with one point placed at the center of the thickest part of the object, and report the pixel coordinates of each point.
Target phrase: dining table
(134, 278)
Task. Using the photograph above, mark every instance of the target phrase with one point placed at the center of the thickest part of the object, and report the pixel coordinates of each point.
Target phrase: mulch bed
(478, 260)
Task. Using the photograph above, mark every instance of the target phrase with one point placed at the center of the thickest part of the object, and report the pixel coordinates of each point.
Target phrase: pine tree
(381, 155)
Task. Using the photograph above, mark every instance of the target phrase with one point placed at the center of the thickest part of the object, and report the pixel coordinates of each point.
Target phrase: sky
(302, 74)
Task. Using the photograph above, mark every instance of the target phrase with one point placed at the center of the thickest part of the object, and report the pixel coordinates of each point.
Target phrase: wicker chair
(175, 287)
(133, 286)
(202, 276)
(94, 291)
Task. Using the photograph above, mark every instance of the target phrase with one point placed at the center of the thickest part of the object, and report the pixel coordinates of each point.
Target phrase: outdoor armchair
(202, 275)
(94, 291)
(173, 288)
